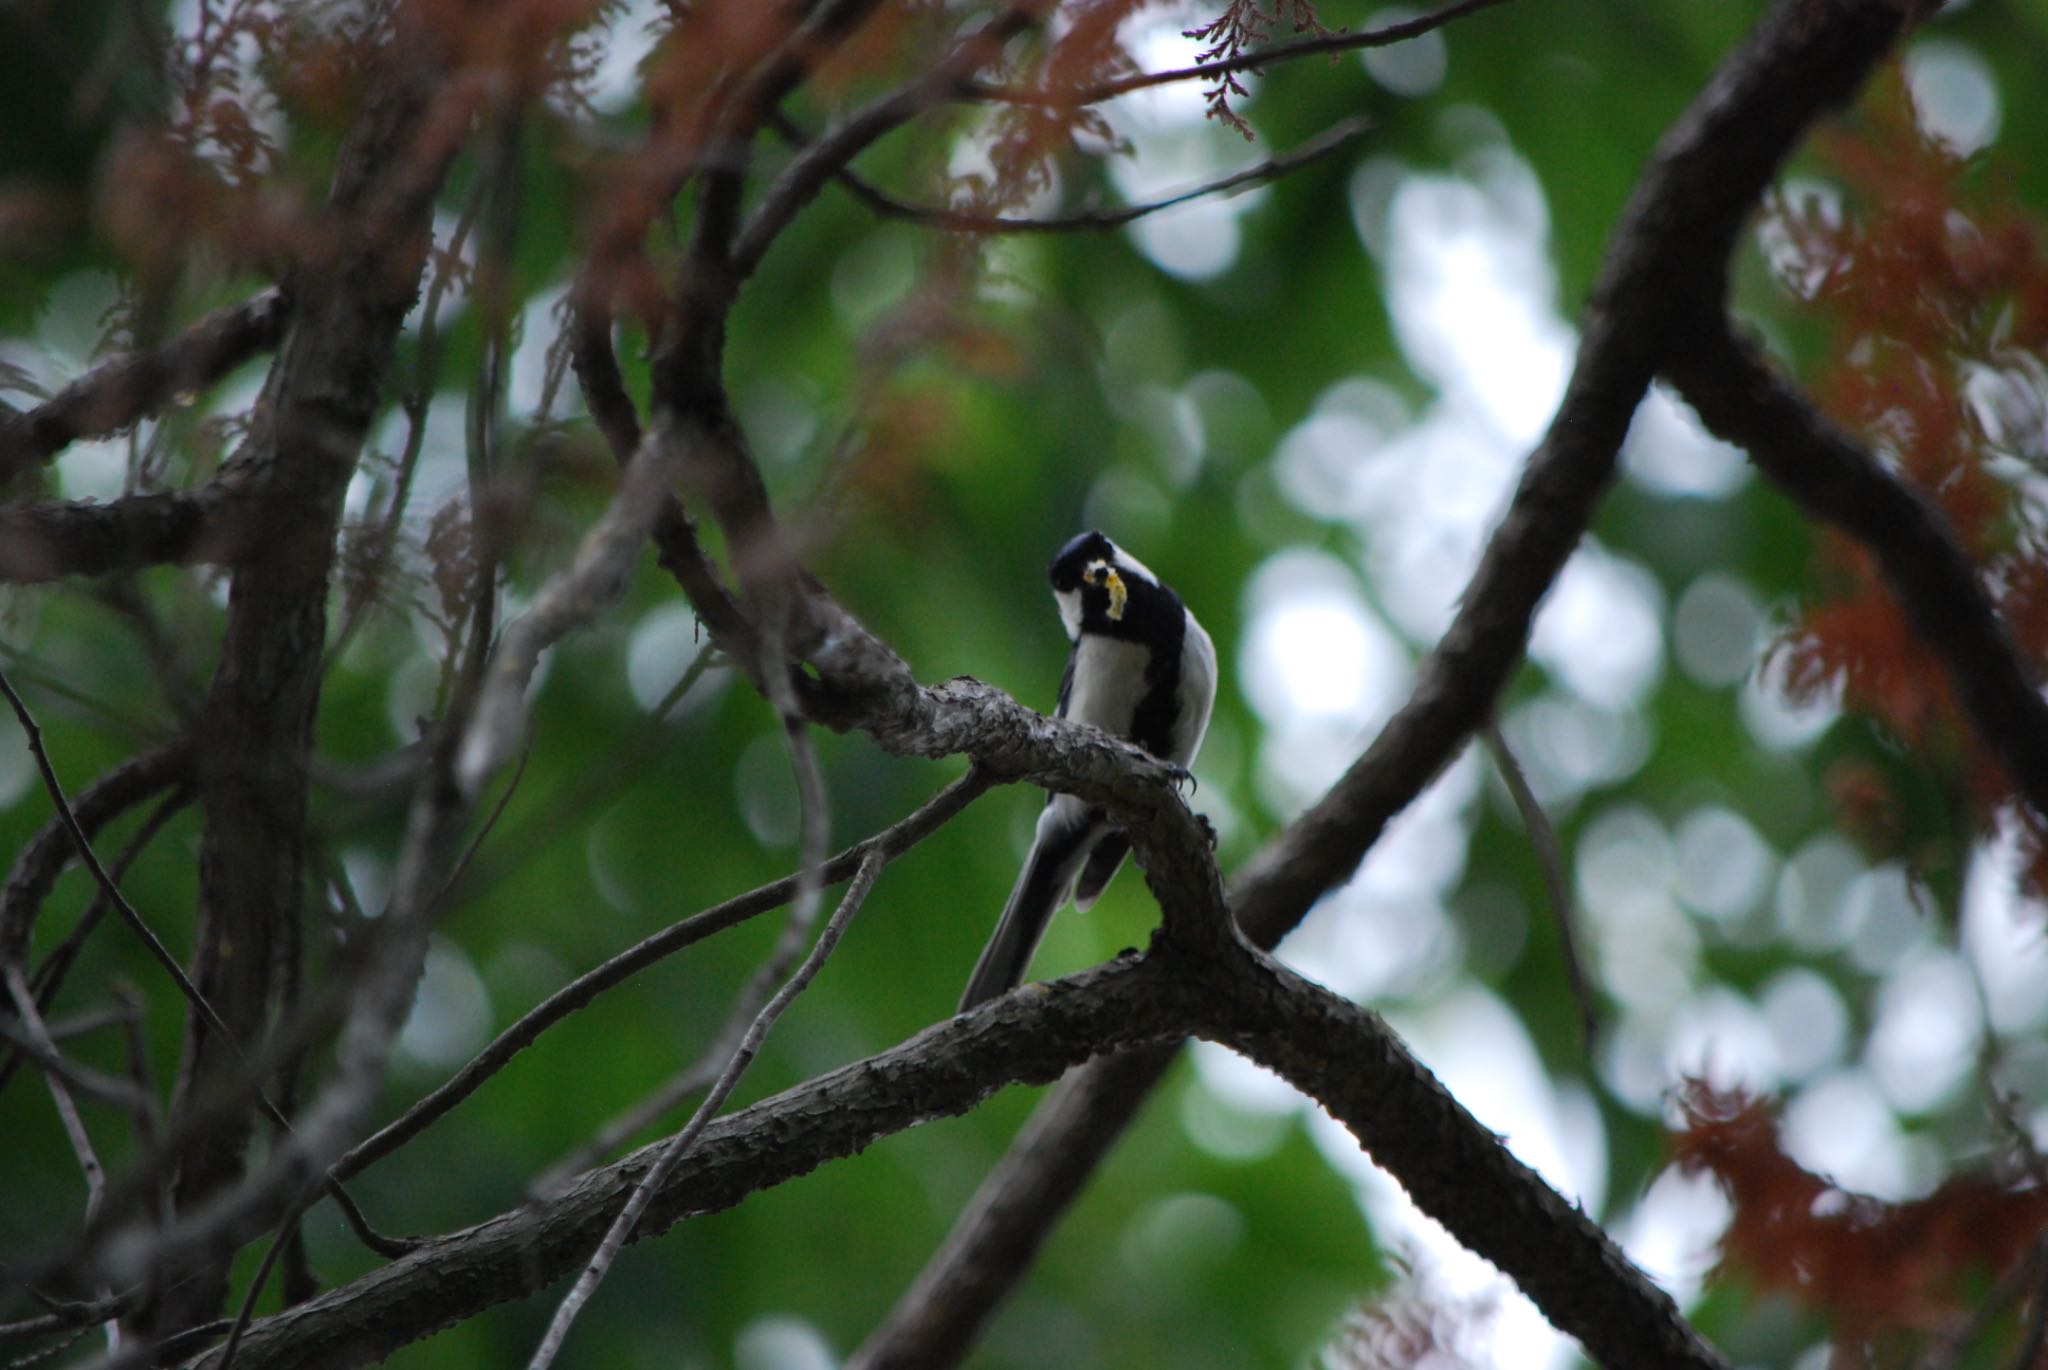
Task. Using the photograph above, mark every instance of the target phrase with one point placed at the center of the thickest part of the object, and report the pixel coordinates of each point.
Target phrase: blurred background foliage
(1302, 405)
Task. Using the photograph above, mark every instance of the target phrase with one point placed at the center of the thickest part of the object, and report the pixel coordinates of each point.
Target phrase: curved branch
(682, 555)
(44, 857)
(1745, 400)
(1665, 267)
(829, 155)
(1341, 1054)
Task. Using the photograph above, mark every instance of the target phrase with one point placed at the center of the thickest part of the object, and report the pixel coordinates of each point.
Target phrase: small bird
(1141, 668)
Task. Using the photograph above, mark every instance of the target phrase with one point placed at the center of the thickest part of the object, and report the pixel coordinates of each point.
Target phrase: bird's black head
(1072, 563)
(1101, 588)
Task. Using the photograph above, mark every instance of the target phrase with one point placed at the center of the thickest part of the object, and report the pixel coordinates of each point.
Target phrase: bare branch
(1666, 266)
(202, 1010)
(1385, 36)
(1338, 1052)
(47, 541)
(61, 1075)
(37, 1041)
(115, 395)
(829, 156)
(757, 993)
(77, 834)
(678, 1146)
(963, 221)
(1556, 877)
(889, 844)
(675, 535)
(942, 1071)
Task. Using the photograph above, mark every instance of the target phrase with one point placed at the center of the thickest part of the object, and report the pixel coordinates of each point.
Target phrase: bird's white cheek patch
(1070, 611)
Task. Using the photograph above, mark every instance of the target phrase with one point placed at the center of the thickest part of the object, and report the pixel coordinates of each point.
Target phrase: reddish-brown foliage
(1937, 291)
(1244, 27)
(1871, 1268)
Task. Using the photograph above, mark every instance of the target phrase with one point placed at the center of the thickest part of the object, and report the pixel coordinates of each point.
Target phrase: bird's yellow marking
(1103, 574)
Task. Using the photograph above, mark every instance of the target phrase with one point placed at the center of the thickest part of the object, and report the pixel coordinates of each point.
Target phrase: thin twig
(592, 786)
(33, 732)
(579, 993)
(679, 1146)
(618, 1130)
(48, 1353)
(49, 976)
(1095, 220)
(593, 581)
(490, 824)
(247, 1311)
(35, 1043)
(746, 1006)
(1385, 36)
(1550, 856)
(59, 1074)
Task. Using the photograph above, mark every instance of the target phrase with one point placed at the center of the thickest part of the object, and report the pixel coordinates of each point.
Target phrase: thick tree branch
(1666, 266)
(1340, 1053)
(115, 395)
(215, 524)
(942, 1071)
(350, 290)
(1347, 1060)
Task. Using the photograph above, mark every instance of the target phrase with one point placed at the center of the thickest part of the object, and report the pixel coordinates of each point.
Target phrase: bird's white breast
(1109, 680)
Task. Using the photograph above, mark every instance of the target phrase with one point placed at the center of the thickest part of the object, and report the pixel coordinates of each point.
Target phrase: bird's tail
(1041, 888)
